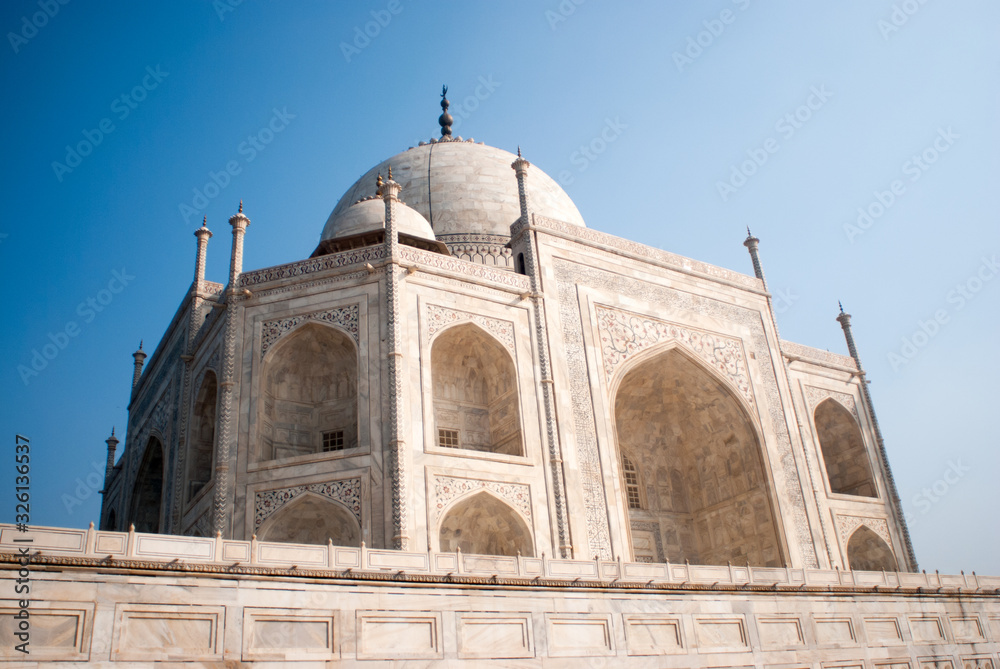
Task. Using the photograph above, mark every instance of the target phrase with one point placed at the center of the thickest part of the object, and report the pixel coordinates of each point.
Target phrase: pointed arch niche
(308, 401)
(693, 446)
(474, 388)
(848, 470)
(201, 440)
(312, 519)
(867, 551)
(147, 496)
(484, 525)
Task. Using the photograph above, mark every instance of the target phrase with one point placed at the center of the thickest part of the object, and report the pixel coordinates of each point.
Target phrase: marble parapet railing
(135, 549)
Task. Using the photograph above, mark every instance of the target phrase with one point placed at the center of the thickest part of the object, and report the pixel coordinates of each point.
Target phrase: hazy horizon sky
(857, 139)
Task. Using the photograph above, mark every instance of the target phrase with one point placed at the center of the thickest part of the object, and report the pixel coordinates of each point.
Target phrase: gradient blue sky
(556, 81)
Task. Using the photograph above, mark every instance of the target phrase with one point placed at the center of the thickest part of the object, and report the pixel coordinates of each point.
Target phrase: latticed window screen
(333, 441)
(631, 484)
(447, 438)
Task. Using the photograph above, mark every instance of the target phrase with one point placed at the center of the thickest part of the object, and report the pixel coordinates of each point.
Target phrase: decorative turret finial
(445, 120)
(140, 344)
(241, 206)
(518, 150)
(390, 172)
(378, 185)
(204, 221)
(112, 430)
(840, 304)
(749, 234)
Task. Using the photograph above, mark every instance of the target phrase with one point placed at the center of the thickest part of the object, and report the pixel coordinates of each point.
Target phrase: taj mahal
(466, 429)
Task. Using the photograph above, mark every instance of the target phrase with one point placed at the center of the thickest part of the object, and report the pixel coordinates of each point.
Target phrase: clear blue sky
(882, 91)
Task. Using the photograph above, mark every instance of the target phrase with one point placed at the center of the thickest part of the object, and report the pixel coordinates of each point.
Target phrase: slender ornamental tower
(109, 466)
(523, 227)
(196, 317)
(139, 358)
(396, 452)
(226, 446)
(897, 508)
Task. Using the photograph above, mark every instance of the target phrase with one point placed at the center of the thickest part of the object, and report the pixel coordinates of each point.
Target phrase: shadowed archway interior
(867, 551)
(309, 402)
(694, 484)
(311, 519)
(484, 525)
(147, 497)
(474, 385)
(847, 468)
(201, 442)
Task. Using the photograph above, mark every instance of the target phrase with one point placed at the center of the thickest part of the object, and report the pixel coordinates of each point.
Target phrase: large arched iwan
(484, 525)
(867, 551)
(311, 519)
(706, 496)
(844, 456)
(474, 387)
(147, 496)
(308, 401)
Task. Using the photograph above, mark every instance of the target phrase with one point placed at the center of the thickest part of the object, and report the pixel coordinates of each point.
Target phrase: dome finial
(445, 120)
(378, 185)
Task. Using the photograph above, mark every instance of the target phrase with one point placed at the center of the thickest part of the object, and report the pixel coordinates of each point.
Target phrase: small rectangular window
(333, 441)
(448, 438)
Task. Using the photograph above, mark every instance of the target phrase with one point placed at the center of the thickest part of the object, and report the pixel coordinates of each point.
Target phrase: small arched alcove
(844, 456)
(201, 441)
(867, 551)
(311, 519)
(692, 444)
(474, 386)
(484, 525)
(147, 496)
(308, 402)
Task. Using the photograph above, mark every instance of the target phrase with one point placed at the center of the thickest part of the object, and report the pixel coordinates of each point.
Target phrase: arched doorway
(484, 525)
(309, 394)
(867, 551)
(692, 470)
(844, 456)
(474, 386)
(147, 496)
(311, 519)
(201, 440)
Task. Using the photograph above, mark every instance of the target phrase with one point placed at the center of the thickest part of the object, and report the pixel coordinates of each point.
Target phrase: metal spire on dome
(445, 120)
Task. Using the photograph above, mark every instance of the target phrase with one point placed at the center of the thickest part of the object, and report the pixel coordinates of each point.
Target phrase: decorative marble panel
(439, 318)
(345, 491)
(295, 269)
(624, 334)
(847, 524)
(816, 395)
(345, 318)
(447, 488)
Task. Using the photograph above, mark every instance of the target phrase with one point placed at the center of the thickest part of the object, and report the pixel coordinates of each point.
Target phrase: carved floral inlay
(448, 488)
(346, 318)
(847, 524)
(345, 491)
(439, 318)
(624, 334)
(817, 395)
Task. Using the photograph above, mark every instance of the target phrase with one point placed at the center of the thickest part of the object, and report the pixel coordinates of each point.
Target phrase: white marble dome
(368, 215)
(461, 187)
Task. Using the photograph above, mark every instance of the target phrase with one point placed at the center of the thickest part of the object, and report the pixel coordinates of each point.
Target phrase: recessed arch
(308, 400)
(474, 390)
(867, 551)
(483, 524)
(147, 495)
(311, 519)
(706, 497)
(201, 437)
(848, 469)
